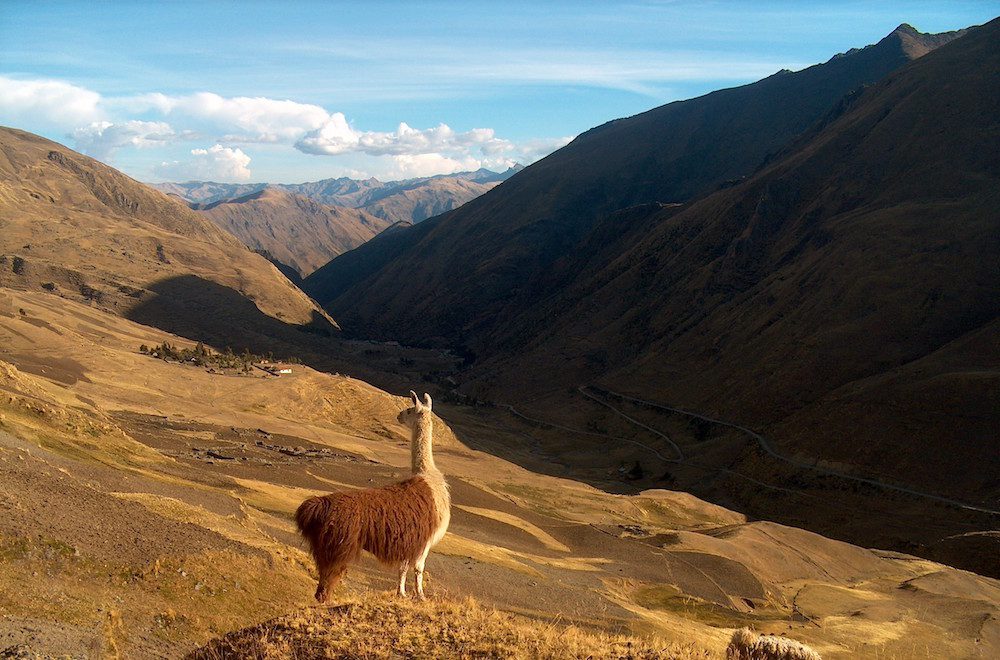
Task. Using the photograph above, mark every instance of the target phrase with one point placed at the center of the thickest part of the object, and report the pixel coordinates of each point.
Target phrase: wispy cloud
(451, 68)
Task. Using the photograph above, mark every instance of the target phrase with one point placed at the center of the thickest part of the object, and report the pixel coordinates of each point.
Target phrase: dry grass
(378, 626)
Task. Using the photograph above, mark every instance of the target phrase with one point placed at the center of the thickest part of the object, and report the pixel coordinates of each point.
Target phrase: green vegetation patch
(203, 356)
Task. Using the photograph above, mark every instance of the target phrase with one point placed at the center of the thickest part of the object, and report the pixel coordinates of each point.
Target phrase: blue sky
(297, 91)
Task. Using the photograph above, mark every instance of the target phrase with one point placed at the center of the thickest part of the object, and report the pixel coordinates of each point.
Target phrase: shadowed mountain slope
(293, 229)
(493, 255)
(844, 297)
(847, 294)
(83, 230)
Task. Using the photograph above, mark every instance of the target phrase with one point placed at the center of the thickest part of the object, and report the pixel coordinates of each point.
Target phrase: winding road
(768, 449)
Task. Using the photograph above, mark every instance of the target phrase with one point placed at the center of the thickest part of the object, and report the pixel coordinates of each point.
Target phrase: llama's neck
(421, 446)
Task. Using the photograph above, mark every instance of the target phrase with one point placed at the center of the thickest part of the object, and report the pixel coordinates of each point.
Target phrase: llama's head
(412, 415)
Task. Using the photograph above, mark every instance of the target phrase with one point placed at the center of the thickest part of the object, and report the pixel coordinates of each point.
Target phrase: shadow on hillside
(201, 310)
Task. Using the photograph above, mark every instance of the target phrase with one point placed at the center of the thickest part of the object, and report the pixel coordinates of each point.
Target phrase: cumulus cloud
(53, 101)
(217, 163)
(239, 119)
(419, 165)
(337, 136)
(101, 139)
(101, 126)
(415, 152)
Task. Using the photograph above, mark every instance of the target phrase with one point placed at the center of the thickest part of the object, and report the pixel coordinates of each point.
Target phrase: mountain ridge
(498, 249)
(86, 231)
(837, 299)
(296, 231)
(435, 193)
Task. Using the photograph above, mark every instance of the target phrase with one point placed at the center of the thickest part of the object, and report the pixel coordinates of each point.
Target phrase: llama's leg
(404, 568)
(418, 570)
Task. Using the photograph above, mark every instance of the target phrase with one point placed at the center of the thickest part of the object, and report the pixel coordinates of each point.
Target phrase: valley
(729, 362)
(195, 475)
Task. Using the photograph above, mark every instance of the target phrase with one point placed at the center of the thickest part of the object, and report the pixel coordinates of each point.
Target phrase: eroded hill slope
(294, 230)
(86, 231)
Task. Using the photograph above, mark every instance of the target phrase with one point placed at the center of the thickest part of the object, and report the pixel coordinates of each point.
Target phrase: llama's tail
(311, 516)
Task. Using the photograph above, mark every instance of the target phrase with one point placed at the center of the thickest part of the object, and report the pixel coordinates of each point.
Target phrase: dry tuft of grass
(382, 626)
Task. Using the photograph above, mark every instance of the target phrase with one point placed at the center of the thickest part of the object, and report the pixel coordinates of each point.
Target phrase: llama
(399, 523)
(748, 645)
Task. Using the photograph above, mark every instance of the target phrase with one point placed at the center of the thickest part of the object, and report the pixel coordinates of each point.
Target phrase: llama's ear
(416, 401)
(427, 401)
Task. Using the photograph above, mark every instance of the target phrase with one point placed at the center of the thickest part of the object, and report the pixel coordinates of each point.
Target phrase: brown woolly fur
(748, 645)
(395, 523)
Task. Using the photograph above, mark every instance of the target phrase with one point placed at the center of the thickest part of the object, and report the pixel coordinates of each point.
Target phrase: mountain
(294, 230)
(847, 294)
(410, 200)
(496, 253)
(842, 297)
(425, 198)
(301, 227)
(78, 228)
(197, 193)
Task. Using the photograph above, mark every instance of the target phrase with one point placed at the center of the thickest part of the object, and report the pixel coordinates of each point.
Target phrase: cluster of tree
(203, 356)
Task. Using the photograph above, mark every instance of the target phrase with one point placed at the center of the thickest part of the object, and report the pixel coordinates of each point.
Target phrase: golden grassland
(380, 626)
(122, 536)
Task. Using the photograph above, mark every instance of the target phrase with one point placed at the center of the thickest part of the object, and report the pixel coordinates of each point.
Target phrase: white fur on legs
(418, 570)
(403, 569)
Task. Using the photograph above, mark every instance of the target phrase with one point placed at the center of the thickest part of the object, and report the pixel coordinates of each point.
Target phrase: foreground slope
(147, 508)
(294, 230)
(381, 626)
(86, 231)
(492, 257)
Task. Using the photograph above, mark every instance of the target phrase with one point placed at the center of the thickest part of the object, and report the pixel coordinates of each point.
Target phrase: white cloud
(101, 139)
(334, 137)
(239, 119)
(54, 101)
(416, 153)
(337, 137)
(419, 165)
(217, 163)
(101, 126)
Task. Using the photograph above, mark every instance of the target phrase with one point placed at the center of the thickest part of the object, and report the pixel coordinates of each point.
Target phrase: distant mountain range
(301, 227)
(410, 200)
(814, 254)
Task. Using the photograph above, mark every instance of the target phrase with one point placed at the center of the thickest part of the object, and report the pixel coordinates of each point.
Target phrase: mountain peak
(915, 43)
